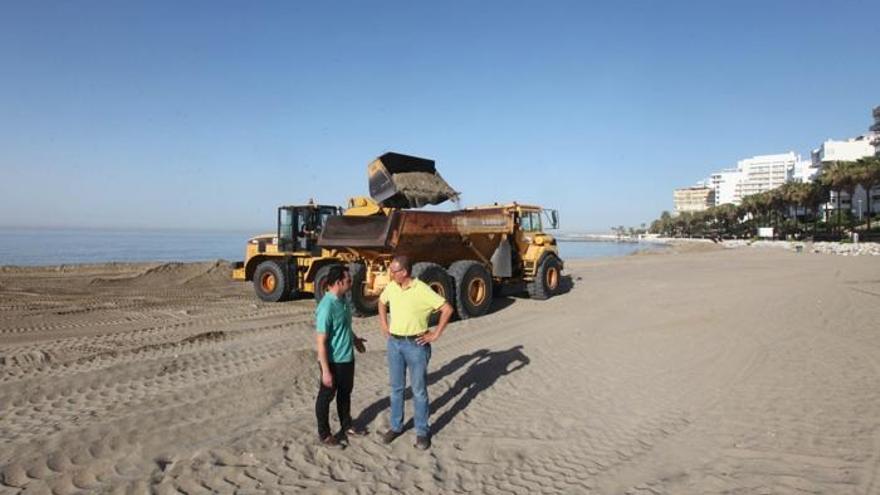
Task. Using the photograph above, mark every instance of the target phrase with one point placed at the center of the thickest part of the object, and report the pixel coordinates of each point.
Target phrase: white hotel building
(755, 175)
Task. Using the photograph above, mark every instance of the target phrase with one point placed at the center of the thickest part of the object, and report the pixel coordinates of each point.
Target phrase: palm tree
(835, 177)
(816, 195)
(796, 195)
(751, 206)
(726, 218)
(866, 173)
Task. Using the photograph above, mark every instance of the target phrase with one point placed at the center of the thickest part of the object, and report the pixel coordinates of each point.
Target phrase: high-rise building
(764, 172)
(724, 184)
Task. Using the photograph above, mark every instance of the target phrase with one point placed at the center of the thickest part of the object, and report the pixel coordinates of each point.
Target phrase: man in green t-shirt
(409, 344)
(336, 343)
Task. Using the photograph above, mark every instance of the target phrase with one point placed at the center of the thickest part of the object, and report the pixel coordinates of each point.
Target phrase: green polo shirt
(333, 317)
(410, 307)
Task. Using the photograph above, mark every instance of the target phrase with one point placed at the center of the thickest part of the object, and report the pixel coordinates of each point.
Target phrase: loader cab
(299, 226)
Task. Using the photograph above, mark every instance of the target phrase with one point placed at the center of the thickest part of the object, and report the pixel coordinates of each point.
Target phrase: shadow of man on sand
(485, 369)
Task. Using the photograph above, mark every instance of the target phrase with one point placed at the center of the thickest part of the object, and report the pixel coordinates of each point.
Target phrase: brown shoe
(331, 441)
(390, 435)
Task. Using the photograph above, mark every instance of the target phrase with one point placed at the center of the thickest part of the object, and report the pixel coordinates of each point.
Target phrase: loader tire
(548, 279)
(473, 288)
(321, 281)
(361, 303)
(438, 280)
(271, 282)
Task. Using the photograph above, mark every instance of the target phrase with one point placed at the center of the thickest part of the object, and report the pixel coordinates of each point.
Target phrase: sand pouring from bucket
(403, 181)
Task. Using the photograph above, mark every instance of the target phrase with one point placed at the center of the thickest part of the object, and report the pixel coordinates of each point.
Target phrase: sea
(56, 246)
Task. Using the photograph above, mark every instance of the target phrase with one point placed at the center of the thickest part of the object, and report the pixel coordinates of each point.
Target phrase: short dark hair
(335, 274)
(404, 263)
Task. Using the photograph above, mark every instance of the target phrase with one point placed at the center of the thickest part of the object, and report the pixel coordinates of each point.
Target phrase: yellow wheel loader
(287, 263)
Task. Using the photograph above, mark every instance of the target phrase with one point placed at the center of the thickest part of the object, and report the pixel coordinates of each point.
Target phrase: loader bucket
(403, 181)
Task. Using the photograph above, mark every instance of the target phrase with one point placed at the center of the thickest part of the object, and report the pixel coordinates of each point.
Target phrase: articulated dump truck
(464, 255)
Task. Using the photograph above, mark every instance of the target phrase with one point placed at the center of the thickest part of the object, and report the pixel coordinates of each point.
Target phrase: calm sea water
(22, 246)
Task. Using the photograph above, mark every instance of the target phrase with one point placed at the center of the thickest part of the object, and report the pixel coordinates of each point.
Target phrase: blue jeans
(403, 354)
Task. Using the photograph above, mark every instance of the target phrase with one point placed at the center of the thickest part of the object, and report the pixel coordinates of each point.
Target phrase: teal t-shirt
(333, 317)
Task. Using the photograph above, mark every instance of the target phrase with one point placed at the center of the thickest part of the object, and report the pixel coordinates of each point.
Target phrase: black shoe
(423, 443)
(390, 435)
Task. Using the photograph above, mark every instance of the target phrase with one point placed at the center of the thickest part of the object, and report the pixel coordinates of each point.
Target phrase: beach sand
(697, 370)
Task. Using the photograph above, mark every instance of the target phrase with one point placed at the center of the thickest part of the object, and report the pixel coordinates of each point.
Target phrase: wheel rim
(268, 282)
(438, 288)
(477, 291)
(552, 277)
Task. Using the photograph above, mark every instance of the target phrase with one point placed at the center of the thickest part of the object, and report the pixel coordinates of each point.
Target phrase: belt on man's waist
(407, 337)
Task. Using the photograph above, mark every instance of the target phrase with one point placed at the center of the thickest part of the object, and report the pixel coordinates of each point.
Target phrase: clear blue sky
(210, 114)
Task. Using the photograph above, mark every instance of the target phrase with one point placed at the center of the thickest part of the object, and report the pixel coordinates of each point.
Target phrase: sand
(708, 371)
(422, 188)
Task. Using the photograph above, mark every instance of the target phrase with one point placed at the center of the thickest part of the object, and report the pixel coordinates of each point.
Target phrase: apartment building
(691, 199)
(724, 185)
(764, 172)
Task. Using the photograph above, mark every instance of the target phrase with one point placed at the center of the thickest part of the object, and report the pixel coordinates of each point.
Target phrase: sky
(210, 114)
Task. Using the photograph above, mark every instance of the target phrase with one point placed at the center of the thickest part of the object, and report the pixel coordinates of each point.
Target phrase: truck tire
(547, 278)
(321, 281)
(436, 277)
(271, 282)
(361, 304)
(438, 280)
(473, 288)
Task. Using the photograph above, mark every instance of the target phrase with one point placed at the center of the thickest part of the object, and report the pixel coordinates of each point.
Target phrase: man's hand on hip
(427, 338)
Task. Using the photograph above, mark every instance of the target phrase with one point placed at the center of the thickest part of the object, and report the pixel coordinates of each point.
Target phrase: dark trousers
(343, 382)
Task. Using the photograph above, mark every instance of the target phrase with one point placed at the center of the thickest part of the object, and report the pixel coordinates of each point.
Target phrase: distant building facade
(764, 172)
(875, 131)
(848, 151)
(724, 183)
(756, 175)
(691, 199)
(842, 151)
(804, 171)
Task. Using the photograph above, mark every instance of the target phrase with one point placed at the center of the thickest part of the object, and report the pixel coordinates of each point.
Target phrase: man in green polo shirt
(336, 343)
(411, 304)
